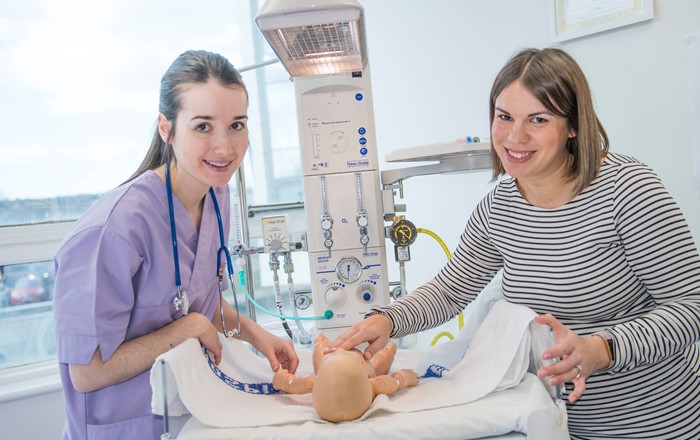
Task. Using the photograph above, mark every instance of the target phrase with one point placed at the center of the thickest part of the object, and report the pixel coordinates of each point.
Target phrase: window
(26, 322)
(80, 94)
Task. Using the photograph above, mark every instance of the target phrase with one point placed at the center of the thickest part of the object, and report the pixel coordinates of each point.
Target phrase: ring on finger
(578, 371)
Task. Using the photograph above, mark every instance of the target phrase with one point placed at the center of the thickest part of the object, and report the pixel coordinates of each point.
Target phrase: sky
(79, 84)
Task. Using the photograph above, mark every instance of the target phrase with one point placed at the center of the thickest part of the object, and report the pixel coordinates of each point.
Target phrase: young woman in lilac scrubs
(115, 279)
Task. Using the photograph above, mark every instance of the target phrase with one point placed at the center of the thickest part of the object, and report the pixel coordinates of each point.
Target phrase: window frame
(27, 244)
(31, 242)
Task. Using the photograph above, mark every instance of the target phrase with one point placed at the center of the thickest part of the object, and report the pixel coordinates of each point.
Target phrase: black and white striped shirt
(620, 257)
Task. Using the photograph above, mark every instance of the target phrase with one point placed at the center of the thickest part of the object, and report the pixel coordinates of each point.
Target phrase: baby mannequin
(345, 384)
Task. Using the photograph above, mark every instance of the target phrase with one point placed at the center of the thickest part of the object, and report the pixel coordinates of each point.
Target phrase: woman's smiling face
(211, 137)
(529, 139)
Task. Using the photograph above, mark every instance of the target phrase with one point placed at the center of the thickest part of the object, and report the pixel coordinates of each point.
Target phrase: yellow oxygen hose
(438, 239)
(447, 252)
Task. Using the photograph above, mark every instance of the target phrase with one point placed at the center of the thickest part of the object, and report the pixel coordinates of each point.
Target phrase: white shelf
(437, 152)
(451, 157)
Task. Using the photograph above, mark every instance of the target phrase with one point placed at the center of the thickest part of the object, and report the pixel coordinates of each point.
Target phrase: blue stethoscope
(181, 301)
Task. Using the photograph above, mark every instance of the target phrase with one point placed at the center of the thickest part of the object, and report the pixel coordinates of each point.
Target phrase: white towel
(497, 357)
(237, 395)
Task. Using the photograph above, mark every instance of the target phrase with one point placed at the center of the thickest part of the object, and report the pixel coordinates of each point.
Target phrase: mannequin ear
(164, 126)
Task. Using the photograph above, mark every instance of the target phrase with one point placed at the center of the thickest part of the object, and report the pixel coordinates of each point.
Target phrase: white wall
(432, 69)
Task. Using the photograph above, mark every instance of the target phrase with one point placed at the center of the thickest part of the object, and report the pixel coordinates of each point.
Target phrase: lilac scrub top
(115, 281)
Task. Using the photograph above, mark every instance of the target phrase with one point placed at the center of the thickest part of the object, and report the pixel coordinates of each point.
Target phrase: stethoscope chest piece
(181, 301)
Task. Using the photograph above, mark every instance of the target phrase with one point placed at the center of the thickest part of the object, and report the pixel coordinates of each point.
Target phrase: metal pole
(245, 234)
(166, 421)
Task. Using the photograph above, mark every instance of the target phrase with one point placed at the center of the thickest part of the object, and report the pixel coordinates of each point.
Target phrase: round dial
(302, 301)
(403, 233)
(349, 269)
(276, 243)
(365, 293)
(335, 296)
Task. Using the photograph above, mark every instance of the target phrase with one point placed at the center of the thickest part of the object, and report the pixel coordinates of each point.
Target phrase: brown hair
(557, 81)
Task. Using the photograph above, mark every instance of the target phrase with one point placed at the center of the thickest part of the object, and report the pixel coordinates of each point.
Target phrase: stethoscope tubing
(173, 232)
(181, 302)
(222, 248)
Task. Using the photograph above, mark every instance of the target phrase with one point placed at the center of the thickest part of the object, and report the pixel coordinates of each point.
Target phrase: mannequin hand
(280, 378)
(283, 380)
(374, 329)
(579, 357)
(408, 378)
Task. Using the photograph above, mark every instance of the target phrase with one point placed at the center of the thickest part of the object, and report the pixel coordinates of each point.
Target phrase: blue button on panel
(361, 130)
(363, 151)
(367, 296)
(358, 96)
(363, 141)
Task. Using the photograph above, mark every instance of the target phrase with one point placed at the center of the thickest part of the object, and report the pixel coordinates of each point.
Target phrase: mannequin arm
(285, 381)
(390, 384)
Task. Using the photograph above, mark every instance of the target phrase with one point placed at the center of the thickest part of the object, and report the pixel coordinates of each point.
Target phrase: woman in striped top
(588, 239)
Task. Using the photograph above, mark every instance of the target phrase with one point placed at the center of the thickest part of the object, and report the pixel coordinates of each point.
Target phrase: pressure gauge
(349, 269)
(403, 233)
(302, 301)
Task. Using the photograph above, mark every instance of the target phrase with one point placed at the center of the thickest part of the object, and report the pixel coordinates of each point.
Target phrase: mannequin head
(342, 390)
(345, 384)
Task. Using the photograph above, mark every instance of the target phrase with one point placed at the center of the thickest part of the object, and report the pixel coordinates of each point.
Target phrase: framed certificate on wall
(578, 18)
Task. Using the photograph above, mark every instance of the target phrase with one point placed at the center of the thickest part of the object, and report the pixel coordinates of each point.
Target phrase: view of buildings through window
(80, 100)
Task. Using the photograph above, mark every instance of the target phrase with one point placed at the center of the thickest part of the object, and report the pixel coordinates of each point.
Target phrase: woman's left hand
(575, 357)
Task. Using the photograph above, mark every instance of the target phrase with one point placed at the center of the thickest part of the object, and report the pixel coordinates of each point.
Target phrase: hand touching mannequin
(345, 384)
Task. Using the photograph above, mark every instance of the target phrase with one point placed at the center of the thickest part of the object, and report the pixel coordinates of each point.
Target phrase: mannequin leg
(382, 360)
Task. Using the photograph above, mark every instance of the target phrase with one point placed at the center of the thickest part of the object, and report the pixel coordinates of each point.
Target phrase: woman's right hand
(207, 335)
(374, 329)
